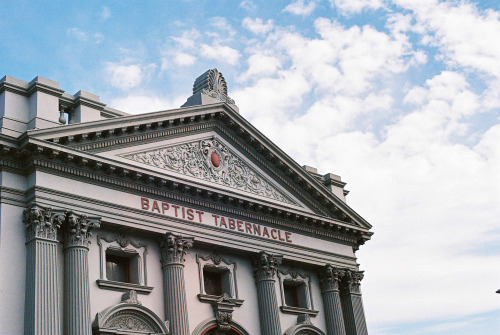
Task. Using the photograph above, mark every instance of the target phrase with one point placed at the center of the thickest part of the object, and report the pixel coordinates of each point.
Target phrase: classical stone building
(185, 221)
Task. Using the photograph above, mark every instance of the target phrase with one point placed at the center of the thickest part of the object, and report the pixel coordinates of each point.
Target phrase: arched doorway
(214, 329)
(211, 327)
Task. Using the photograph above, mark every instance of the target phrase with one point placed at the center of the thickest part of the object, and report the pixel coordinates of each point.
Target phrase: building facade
(185, 221)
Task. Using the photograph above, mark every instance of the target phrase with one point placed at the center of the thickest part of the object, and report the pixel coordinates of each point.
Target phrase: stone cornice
(104, 172)
(9, 87)
(40, 87)
(149, 123)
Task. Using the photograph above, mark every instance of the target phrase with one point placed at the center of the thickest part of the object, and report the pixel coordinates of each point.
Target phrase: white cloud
(98, 38)
(248, 5)
(127, 76)
(77, 33)
(404, 149)
(184, 59)
(224, 27)
(261, 65)
(465, 35)
(356, 6)
(146, 103)
(188, 39)
(257, 26)
(105, 13)
(221, 53)
(299, 7)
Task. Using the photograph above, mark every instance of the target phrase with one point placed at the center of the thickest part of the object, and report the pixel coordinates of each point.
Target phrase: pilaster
(265, 267)
(42, 310)
(352, 305)
(173, 249)
(77, 233)
(329, 282)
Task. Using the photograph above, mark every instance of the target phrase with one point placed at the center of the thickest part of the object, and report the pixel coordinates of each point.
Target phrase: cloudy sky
(401, 98)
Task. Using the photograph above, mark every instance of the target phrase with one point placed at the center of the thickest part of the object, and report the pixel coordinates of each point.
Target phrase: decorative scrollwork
(352, 281)
(77, 229)
(174, 247)
(265, 266)
(42, 222)
(196, 159)
(329, 278)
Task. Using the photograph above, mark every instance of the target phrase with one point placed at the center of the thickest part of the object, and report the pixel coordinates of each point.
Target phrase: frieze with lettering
(220, 221)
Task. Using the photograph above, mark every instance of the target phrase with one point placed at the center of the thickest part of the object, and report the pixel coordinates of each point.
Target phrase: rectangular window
(118, 268)
(295, 294)
(290, 292)
(213, 282)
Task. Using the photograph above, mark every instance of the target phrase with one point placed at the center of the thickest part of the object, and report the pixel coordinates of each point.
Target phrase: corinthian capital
(174, 247)
(264, 265)
(352, 280)
(329, 278)
(42, 222)
(77, 229)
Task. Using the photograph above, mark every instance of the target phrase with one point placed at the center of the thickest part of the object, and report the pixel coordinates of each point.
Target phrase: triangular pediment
(210, 160)
(171, 144)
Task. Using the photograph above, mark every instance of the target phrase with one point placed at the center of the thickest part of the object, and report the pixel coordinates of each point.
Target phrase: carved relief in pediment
(212, 161)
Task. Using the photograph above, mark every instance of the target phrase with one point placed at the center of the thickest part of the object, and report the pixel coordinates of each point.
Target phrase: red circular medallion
(215, 159)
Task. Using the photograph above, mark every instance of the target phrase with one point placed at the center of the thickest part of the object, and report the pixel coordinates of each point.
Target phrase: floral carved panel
(212, 161)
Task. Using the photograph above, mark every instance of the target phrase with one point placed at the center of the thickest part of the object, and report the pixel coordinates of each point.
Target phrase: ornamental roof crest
(213, 84)
(211, 160)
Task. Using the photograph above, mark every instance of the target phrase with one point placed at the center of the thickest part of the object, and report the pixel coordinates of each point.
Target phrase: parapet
(40, 103)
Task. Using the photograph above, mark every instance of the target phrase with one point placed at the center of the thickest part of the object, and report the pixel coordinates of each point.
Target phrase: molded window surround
(295, 289)
(217, 277)
(124, 259)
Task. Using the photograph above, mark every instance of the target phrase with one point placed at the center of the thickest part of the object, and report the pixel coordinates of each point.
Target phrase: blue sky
(401, 98)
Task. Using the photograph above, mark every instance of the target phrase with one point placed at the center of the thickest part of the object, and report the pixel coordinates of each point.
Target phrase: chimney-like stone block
(44, 97)
(88, 107)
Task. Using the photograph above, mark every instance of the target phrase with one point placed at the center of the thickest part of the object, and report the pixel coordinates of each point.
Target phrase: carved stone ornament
(329, 278)
(77, 229)
(265, 265)
(173, 248)
(213, 84)
(223, 310)
(130, 297)
(212, 161)
(42, 222)
(352, 281)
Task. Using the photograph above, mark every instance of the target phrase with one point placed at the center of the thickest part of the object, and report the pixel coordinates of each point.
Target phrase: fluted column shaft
(173, 249)
(77, 318)
(42, 310)
(352, 305)
(265, 273)
(329, 280)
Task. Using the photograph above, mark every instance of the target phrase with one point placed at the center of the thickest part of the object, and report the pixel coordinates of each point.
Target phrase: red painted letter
(145, 203)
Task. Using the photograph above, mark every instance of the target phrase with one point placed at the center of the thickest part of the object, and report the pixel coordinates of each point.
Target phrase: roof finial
(209, 88)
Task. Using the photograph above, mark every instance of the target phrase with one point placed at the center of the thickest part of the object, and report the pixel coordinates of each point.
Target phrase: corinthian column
(42, 310)
(329, 282)
(264, 272)
(173, 249)
(352, 305)
(77, 233)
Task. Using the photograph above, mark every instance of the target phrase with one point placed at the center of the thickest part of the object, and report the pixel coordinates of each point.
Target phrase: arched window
(128, 318)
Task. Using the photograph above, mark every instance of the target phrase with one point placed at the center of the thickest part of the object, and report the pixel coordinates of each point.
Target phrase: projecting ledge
(124, 287)
(298, 311)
